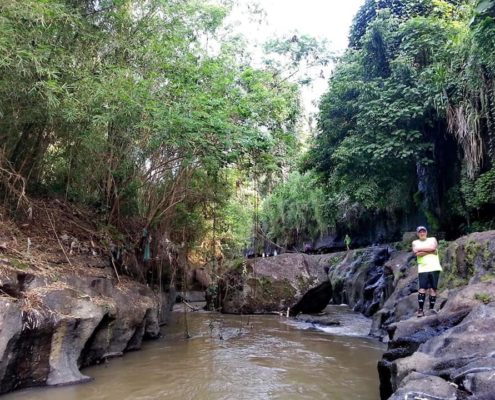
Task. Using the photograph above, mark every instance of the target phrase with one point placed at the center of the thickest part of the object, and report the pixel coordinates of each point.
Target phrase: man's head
(422, 232)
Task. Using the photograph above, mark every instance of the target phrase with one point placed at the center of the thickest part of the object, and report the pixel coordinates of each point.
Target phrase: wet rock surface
(314, 300)
(51, 326)
(360, 279)
(449, 354)
(307, 283)
(323, 319)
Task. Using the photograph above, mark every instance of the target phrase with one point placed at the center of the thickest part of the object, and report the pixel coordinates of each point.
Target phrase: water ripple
(235, 358)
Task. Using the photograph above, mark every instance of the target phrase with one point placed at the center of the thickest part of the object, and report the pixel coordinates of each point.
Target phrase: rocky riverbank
(449, 354)
(51, 326)
(63, 304)
(446, 355)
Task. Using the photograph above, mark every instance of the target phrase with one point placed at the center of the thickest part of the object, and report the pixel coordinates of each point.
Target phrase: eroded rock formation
(52, 325)
(306, 283)
(450, 354)
(446, 355)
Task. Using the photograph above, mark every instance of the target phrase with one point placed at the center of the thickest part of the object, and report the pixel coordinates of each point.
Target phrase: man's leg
(433, 298)
(421, 301)
(433, 291)
(423, 281)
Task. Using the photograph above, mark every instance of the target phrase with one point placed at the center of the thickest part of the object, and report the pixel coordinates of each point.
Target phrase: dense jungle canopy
(147, 109)
(154, 113)
(406, 129)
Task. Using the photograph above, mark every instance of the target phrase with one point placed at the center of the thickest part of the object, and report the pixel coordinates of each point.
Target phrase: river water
(237, 358)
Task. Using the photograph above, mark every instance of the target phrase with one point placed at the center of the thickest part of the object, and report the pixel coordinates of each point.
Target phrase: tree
(407, 119)
(140, 109)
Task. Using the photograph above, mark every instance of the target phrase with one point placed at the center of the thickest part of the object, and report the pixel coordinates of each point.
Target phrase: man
(429, 268)
(347, 241)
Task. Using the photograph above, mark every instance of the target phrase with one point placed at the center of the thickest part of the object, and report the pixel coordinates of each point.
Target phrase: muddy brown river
(237, 358)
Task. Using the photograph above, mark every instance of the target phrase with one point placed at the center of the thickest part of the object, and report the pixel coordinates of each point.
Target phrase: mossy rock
(18, 264)
(485, 298)
(470, 258)
(305, 284)
(402, 246)
(487, 278)
(267, 295)
(336, 260)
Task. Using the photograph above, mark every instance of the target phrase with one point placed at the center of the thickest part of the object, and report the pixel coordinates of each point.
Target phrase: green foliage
(145, 108)
(295, 210)
(418, 76)
(487, 278)
(297, 55)
(18, 264)
(335, 260)
(442, 249)
(479, 191)
(401, 9)
(485, 298)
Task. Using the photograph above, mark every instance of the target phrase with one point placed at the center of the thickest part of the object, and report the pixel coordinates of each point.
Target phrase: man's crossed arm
(423, 251)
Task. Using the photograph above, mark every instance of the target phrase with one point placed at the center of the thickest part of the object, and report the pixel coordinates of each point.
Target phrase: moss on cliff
(467, 258)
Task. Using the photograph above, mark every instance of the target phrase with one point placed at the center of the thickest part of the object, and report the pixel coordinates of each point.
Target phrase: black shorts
(428, 280)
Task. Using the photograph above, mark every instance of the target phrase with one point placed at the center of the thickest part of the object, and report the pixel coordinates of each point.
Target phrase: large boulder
(314, 300)
(425, 387)
(51, 326)
(469, 259)
(306, 283)
(271, 284)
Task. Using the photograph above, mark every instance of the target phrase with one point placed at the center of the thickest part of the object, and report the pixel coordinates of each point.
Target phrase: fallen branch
(190, 306)
(58, 240)
(115, 269)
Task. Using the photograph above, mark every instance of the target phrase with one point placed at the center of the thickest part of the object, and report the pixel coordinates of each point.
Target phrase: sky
(324, 19)
(328, 19)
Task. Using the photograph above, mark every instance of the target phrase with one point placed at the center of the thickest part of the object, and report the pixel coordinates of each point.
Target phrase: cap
(421, 228)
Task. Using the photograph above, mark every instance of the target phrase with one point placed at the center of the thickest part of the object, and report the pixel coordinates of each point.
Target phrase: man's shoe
(420, 314)
(432, 311)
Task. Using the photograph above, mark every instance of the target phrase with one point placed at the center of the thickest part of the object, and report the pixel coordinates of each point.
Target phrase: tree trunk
(29, 151)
